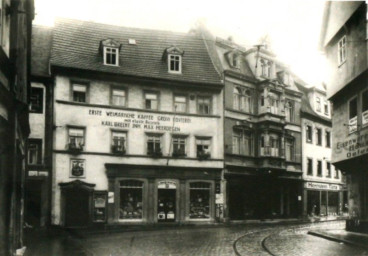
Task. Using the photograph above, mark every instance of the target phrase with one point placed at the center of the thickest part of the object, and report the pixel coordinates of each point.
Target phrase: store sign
(322, 186)
(356, 145)
(150, 122)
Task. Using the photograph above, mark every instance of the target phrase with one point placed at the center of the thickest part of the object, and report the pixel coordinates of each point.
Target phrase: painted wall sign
(352, 147)
(153, 122)
(322, 186)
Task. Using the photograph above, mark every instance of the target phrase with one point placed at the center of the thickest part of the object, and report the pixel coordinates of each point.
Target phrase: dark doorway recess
(166, 208)
(32, 203)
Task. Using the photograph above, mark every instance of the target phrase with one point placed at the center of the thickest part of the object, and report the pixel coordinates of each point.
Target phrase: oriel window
(111, 56)
(151, 100)
(180, 103)
(204, 105)
(118, 97)
(79, 92)
(174, 63)
(36, 100)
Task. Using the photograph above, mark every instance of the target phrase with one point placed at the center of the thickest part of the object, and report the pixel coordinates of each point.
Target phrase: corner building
(138, 128)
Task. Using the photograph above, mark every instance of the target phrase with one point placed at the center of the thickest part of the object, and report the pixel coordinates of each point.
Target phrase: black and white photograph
(191, 128)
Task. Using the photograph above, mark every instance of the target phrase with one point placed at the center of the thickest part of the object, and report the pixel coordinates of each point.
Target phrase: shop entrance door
(166, 202)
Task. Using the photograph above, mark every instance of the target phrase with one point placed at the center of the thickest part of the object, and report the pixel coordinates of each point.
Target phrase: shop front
(160, 194)
(324, 200)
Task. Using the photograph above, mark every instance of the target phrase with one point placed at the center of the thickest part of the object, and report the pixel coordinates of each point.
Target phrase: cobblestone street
(254, 240)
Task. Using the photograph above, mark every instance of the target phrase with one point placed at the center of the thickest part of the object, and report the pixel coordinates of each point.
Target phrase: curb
(335, 239)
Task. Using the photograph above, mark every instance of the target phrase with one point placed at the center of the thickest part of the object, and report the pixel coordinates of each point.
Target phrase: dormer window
(111, 56)
(109, 49)
(173, 55)
(174, 63)
(266, 66)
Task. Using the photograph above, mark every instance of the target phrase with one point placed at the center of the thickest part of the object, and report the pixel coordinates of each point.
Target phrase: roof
(76, 45)
(336, 14)
(41, 49)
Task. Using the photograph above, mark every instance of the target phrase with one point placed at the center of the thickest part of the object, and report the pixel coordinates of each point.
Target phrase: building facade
(343, 39)
(262, 134)
(325, 194)
(137, 127)
(15, 38)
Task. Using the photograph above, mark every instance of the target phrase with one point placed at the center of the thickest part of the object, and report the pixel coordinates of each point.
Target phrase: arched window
(199, 195)
(131, 200)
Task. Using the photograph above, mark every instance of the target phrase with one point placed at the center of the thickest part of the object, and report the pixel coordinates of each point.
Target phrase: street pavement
(234, 240)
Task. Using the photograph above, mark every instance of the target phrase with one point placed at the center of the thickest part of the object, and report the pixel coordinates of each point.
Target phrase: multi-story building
(262, 132)
(325, 194)
(39, 158)
(344, 40)
(15, 37)
(137, 126)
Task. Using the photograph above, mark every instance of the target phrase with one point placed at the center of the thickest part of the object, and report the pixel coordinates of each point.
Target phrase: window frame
(309, 133)
(186, 102)
(341, 50)
(319, 136)
(328, 139)
(86, 85)
(209, 104)
(105, 49)
(179, 71)
(155, 151)
(310, 171)
(243, 135)
(38, 143)
(207, 154)
(353, 128)
(180, 137)
(145, 93)
(328, 169)
(40, 94)
(292, 152)
(290, 109)
(211, 202)
(115, 88)
(318, 105)
(125, 144)
(144, 202)
(319, 164)
(69, 127)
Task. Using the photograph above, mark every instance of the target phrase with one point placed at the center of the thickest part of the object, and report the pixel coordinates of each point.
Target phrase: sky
(292, 26)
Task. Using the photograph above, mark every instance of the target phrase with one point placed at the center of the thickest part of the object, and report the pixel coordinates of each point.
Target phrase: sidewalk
(343, 236)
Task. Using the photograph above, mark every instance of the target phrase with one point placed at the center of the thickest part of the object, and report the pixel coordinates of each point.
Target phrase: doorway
(76, 208)
(166, 202)
(32, 203)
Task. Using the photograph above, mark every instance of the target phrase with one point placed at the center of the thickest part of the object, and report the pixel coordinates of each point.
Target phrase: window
(199, 200)
(310, 166)
(34, 151)
(309, 134)
(319, 136)
(118, 97)
(79, 92)
(76, 138)
(111, 56)
(180, 103)
(203, 147)
(342, 50)
(151, 100)
(242, 99)
(242, 142)
(328, 169)
(154, 144)
(327, 112)
(289, 111)
(319, 167)
(174, 63)
(328, 139)
(365, 108)
(204, 105)
(179, 145)
(235, 61)
(36, 100)
(289, 149)
(337, 174)
(118, 144)
(131, 203)
(318, 104)
(353, 113)
(274, 145)
(262, 148)
(274, 104)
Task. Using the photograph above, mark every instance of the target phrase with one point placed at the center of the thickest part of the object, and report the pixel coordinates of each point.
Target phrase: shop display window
(131, 193)
(333, 203)
(199, 200)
